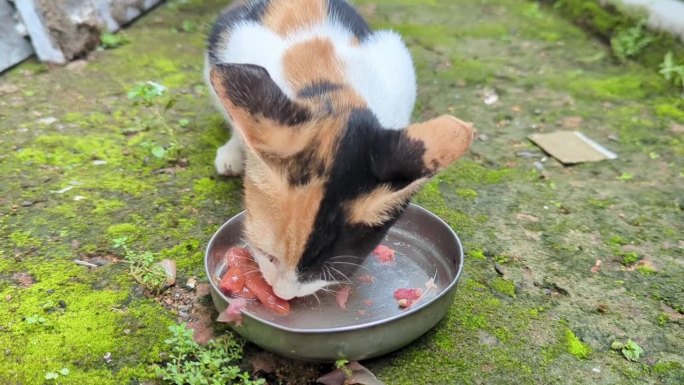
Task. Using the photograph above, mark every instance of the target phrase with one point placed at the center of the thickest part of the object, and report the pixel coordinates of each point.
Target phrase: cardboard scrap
(571, 147)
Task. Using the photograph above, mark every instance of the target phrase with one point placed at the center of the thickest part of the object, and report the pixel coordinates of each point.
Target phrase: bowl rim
(340, 329)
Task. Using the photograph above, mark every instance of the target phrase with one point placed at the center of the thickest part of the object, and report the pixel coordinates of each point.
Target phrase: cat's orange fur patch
(290, 212)
(285, 17)
(445, 139)
(376, 207)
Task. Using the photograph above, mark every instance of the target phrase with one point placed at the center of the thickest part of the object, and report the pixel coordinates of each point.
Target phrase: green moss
(466, 193)
(669, 110)
(107, 206)
(431, 197)
(600, 203)
(630, 258)
(672, 371)
(124, 230)
(575, 347)
(23, 239)
(78, 335)
(503, 286)
(646, 270)
(619, 87)
(187, 254)
(477, 254)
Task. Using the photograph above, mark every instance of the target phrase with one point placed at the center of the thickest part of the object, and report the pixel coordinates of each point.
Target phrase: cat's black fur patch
(250, 87)
(251, 11)
(364, 161)
(318, 89)
(347, 15)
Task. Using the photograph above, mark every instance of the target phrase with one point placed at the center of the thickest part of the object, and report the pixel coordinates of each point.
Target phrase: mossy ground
(71, 186)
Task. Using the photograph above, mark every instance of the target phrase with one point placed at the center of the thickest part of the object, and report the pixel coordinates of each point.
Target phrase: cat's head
(324, 180)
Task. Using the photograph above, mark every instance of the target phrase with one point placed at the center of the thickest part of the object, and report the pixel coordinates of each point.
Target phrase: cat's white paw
(230, 159)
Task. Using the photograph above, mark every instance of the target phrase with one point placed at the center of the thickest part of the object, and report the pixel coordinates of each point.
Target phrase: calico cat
(320, 107)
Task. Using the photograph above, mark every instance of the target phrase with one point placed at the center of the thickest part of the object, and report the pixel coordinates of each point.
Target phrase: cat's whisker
(341, 273)
(350, 263)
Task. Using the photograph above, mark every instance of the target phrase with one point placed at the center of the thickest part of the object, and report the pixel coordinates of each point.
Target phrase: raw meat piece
(342, 296)
(406, 297)
(245, 293)
(239, 258)
(233, 313)
(366, 278)
(232, 282)
(384, 254)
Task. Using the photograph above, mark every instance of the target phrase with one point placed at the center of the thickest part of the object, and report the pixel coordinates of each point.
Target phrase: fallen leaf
(169, 267)
(8, 89)
(263, 362)
(572, 121)
(526, 217)
(23, 279)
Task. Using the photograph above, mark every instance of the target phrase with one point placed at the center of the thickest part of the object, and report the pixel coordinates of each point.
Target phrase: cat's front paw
(230, 160)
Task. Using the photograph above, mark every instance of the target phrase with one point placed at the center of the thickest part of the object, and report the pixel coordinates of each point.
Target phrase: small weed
(477, 254)
(663, 318)
(55, 375)
(155, 97)
(628, 43)
(646, 270)
(629, 258)
(632, 351)
(625, 176)
(501, 259)
(192, 364)
(187, 26)
(142, 266)
(109, 40)
(672, 72)
(342, 365)
(35, 319)
(51, 376)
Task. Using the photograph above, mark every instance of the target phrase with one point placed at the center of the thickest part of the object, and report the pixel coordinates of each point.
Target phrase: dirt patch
(192, 306)
(23, 279)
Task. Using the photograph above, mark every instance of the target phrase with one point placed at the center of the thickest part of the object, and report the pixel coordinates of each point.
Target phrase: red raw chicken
(384, 254)
(233, 313)
(406, 297)
(342, 296)
(244, 279)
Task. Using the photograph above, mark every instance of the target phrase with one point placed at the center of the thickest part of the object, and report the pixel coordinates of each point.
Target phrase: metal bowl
(318, 330)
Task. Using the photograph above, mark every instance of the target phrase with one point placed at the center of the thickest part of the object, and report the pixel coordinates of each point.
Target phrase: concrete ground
(81, 166)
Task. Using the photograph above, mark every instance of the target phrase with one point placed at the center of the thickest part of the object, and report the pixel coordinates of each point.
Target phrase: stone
(13, 45)
(63, 30)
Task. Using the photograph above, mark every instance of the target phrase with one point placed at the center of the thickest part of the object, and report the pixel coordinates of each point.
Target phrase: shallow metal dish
(373, 325)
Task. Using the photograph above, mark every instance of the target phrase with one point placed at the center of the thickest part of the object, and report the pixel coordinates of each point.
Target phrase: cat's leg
(230, 158)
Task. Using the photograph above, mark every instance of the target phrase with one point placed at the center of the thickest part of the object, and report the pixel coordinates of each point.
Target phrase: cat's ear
(260, 110)
(404, 160)
(424, 149)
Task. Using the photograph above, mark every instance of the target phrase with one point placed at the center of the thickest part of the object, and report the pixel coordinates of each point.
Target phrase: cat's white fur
(380, 69)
